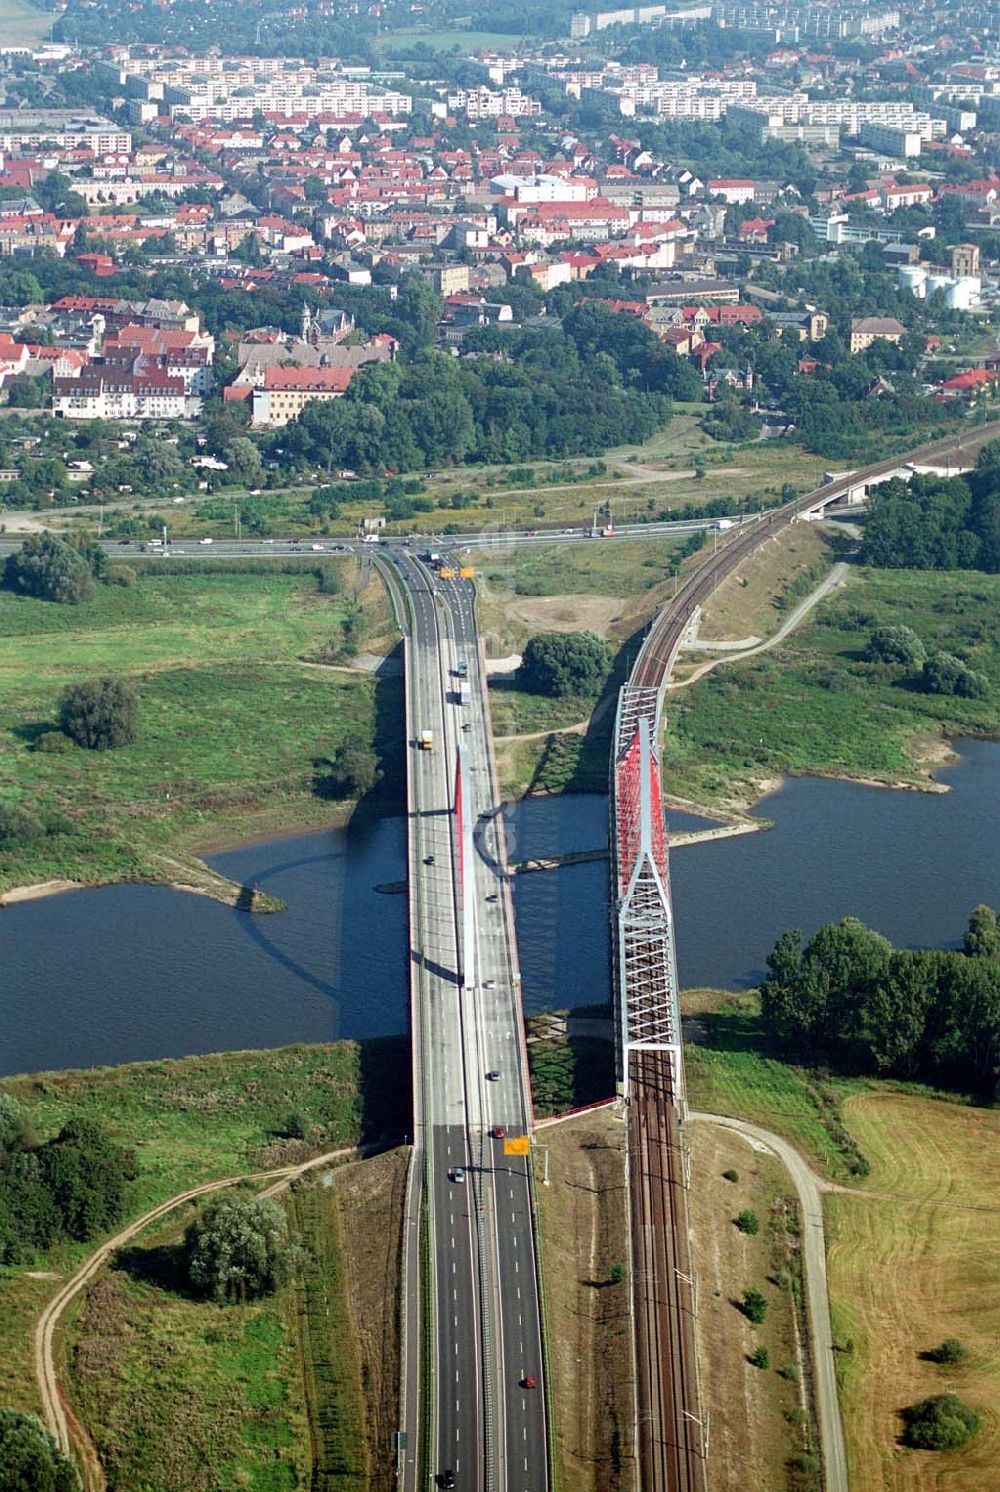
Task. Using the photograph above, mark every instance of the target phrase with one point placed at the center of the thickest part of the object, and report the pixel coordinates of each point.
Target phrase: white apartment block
(483, 103)
(27, 129)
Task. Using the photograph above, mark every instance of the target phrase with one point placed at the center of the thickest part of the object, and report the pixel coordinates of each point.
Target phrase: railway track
(673, 1438)
(671, 1442)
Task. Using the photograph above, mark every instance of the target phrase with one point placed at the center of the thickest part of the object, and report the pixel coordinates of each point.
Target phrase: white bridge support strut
(648, 1014)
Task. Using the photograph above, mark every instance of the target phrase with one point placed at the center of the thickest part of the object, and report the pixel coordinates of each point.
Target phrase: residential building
(868, 329)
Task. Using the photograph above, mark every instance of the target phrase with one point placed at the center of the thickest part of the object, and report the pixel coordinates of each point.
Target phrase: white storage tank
(936, 283)
(962, 294)
(913, 277)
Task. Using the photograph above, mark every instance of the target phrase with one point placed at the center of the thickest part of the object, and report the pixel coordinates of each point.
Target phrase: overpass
(471, 1312)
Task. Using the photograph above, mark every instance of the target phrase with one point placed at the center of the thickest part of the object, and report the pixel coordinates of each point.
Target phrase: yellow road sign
(448, 573)
(519, 1145)
(467, 572)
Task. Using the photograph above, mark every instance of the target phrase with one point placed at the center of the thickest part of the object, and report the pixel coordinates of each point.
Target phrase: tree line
(932, 1014)
(72, 1186)
(599, 380)
(935, 523)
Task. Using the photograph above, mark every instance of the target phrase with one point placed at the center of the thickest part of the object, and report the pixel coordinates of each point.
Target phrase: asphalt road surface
(487, 1428)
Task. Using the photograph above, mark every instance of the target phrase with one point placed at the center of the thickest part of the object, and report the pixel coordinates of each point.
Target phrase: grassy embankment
(913, 1248)
(814, 705)
(584, 1246)
(234, 729)
(179, 1393)
(761, 1437)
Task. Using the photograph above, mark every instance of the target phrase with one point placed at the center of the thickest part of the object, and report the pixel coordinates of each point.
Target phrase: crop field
(908, 1269)
(231, 722)
(814, 705)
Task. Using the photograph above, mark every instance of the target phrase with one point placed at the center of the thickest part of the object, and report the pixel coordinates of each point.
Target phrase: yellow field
(908, 1271)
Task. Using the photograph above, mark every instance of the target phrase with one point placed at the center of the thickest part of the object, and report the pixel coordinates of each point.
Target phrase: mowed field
(21, 25)
(907, 1272)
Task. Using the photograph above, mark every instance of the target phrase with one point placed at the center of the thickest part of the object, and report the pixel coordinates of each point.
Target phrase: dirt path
(69, 1433)
(827, 584)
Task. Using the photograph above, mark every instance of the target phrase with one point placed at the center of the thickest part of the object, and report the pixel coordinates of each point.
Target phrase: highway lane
(498, 998)
(477, 1030)
(306, 548)
(457, 1422)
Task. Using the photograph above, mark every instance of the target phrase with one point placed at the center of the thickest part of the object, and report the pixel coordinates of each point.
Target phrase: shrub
(99, 714)
(730, 1175)
(53, 743)
(940, 1423)
(950, 1352)
(789, 1372)
(760, 1358)
(616, 1274)
(748, 1222)
(17, 825)
(754, 1306)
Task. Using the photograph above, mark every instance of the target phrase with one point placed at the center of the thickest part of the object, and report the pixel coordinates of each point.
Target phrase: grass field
(913, 1246)
(678, 466)
(297, 1391)
(21, 25)
(814, 705)
(730, 1070)
(583, 1236)
(195, 1119)
(182, 1395)
(907, 1273)
(231, 723)
(756, 1413)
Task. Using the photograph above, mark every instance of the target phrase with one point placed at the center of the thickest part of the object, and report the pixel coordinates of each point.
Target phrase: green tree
(243, 460)
(100, 714)
(30, 1460)
(895, 645)
(50, 569)
(982, 937)
(561, 663)
(748, 1222)
(239, 1248)
(354, 770)
(85, 1174)
(941, 1423)
(760, 1358)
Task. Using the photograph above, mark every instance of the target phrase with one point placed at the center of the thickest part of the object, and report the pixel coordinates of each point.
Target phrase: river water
(129, 972)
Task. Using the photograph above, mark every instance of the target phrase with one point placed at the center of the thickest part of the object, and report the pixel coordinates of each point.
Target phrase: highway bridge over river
(475, 1395)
